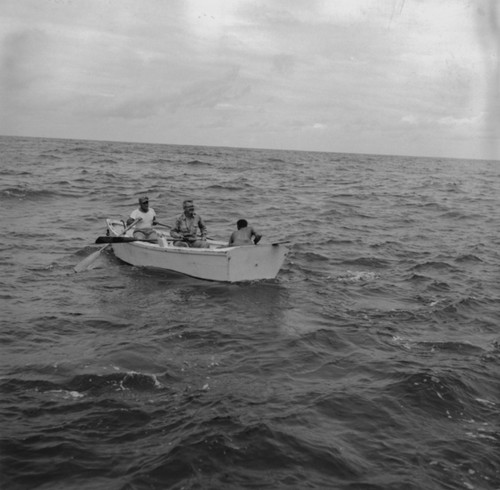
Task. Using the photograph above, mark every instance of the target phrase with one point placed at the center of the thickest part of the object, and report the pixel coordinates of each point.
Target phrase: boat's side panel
(195, 263)
(254, 262)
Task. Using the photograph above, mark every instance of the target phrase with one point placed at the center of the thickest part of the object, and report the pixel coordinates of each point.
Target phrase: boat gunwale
(222, 250)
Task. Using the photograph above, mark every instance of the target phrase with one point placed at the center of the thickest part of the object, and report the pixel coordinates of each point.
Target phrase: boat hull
(217, 263)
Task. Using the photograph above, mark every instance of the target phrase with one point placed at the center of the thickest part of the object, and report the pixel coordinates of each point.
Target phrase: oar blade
(88, 261)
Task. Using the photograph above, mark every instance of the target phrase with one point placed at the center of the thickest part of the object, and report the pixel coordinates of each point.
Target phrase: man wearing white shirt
(143, 229)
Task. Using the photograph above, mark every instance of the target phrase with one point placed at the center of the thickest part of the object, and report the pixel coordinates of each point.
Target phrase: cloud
(461, 122)
(22, 67)
(394, 71)
(488, 24)
(283, 63)
(410, 119)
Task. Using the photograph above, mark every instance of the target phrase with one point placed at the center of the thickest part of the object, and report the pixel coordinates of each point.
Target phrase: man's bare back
(243, 235)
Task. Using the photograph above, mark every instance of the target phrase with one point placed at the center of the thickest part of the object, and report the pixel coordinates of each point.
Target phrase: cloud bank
(399, 77)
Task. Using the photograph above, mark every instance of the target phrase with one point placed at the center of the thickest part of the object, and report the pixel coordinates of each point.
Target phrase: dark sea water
(372, 362)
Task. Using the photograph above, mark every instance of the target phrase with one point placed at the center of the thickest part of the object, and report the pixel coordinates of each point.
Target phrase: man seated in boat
(244, 235)
(143, 229)
(186, 227)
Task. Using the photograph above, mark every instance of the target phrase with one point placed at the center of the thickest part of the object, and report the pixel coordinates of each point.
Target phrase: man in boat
(244, 235)
(186, 226)
(143, 229)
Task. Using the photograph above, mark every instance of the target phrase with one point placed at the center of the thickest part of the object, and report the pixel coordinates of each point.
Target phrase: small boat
(217, 263)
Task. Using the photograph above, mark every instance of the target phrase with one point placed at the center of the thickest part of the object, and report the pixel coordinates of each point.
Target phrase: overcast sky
(413, 77)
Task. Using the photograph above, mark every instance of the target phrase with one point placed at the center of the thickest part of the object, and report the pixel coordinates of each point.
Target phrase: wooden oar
(274, 244)
(169, 227)
(123, 239)
(88, 261)
(181, 239)
(184, 239)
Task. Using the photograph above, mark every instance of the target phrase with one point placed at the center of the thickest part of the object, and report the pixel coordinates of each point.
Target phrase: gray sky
(414, 77)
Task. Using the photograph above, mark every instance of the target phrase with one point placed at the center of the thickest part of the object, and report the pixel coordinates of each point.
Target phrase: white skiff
(217, 263)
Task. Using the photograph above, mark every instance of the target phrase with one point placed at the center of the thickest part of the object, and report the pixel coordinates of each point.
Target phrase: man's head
(144, 202)
(241, 223)
(188, 206)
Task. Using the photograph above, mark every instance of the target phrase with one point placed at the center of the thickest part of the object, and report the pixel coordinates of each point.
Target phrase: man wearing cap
(143, 229)
(186, 226)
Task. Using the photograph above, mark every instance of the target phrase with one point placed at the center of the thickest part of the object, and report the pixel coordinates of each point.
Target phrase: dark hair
(241, 223)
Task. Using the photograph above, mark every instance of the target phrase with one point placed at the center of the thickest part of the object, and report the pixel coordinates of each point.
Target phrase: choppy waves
(371, 362)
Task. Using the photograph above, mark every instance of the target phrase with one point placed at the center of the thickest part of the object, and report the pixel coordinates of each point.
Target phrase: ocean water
(371, 362)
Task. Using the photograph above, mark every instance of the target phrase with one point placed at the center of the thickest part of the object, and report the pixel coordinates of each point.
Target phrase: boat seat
(163, 242)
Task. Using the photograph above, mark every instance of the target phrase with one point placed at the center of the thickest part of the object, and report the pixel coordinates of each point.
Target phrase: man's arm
(257, 236)
(133, 216)
(202, 227)
(175, 232)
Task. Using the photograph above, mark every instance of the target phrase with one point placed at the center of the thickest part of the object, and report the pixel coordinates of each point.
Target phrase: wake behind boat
(216, 263)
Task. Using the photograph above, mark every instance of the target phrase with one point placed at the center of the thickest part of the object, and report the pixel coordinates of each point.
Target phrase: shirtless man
(244, 234)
